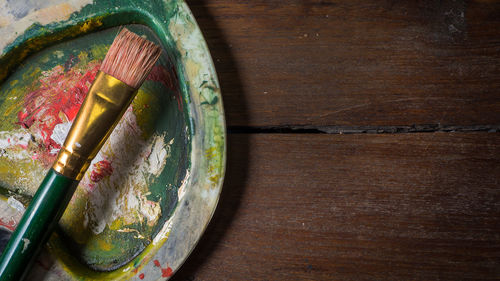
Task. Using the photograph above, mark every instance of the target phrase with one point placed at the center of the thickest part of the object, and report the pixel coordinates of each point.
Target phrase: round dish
(153, 188)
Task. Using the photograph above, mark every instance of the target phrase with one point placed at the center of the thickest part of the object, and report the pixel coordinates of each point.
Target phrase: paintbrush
(127, 63)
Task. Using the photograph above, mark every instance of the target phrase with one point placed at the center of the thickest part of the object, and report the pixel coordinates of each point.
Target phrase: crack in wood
(307, 129)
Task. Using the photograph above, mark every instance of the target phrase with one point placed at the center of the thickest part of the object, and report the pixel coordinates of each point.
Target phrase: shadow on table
(236, 171)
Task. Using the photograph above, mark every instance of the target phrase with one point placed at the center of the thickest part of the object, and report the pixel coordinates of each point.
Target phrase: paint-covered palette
(149, 194)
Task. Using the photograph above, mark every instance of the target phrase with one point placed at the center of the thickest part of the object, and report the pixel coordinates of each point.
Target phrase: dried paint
(15, 204)
(14, 143)
(101, 170)
(122, 195)
(166, 272)
(114, 199)
(26, 242)
(55, 101)
(169, 80)
(10, 224)
(15, 17)
(60, 132)
(197, 104)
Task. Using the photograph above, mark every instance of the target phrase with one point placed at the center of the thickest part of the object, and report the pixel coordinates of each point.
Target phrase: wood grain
(355, 207)
(420, 206)
(355, 62)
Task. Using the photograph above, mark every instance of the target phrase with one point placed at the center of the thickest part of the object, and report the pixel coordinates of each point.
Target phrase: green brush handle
(36, 225)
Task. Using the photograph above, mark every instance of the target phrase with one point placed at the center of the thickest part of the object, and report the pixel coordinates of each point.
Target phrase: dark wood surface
(303, 202)
(355, 62)
(322, 207)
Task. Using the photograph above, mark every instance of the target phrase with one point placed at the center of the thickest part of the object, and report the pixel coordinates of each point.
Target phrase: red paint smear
(57, 99)
(168, 78)
(160, 74)
(101, 170)
(166, 272)
(10, 225)
(141, 276)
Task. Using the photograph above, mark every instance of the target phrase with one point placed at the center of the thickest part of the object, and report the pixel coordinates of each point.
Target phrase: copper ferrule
(105, 104)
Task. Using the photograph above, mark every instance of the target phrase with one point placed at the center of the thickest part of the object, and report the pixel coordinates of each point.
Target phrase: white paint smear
(60, 132)
(10, 139)
(13, 144)
(123, 195)
(25, 245)
(15, 204)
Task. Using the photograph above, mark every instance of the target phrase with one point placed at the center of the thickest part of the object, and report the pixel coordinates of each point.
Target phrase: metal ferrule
(105, 104)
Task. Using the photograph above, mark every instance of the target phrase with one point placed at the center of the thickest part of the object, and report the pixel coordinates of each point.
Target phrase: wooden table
(363, 140)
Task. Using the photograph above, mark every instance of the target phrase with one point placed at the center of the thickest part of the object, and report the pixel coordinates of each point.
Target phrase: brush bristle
(130, 58)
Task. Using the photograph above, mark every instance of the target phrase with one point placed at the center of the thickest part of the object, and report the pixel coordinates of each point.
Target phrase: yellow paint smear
(116, 224)
(14, 106)
(104, 245)
(86, 27)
